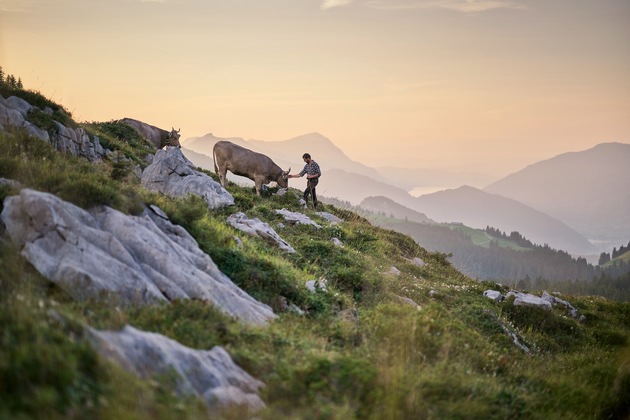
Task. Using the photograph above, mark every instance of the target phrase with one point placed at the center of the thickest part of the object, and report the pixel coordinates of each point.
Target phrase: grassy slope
(359, 353)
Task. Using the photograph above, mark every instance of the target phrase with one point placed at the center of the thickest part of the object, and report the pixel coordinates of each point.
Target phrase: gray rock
(556, 300)
(494, 295)
(526, 299)
(418, 261)
(330, 218)
(210, 375)
(408, 301)
(315, 285)
(75, 141)
(394, 271)
(10, 183)
(172, 174)
(260, 229)
(138, 259)
(337, 242)
(13, 111)
(294, 218)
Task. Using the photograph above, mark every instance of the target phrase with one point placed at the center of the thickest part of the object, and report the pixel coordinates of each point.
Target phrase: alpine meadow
(346, 320)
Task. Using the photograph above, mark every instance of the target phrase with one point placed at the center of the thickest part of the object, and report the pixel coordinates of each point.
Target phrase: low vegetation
(359, 350)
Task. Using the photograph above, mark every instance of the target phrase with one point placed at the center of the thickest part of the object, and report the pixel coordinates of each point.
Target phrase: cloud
(463, 6)
(16, 6)
(329, 4)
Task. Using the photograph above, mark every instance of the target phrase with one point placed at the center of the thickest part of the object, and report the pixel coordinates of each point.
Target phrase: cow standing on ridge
(244, 162)
(158, 137)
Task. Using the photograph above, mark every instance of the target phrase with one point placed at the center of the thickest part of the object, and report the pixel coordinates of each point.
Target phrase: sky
(489, 86)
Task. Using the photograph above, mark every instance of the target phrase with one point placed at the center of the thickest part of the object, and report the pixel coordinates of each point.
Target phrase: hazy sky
(488, 85)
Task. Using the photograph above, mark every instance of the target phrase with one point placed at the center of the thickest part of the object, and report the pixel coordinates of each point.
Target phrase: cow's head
(283, 180)
(172, 138)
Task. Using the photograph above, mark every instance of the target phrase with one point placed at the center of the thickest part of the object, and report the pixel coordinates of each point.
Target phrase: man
(312, 171)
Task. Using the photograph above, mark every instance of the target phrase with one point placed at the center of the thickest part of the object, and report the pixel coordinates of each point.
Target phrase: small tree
(19, 84)
(11, 82)
(1, 75)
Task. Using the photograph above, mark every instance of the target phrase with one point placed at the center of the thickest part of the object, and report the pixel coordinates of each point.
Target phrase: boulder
(294, 218)
(260, 229)
(135, 259)
(337, 242)
(315, 285)
(211, 375)
(393, 271)
(556, 300)
(494, 295)
(408, 301)
(418, 261)
(526, 299)
(330, 218)
(172, 174)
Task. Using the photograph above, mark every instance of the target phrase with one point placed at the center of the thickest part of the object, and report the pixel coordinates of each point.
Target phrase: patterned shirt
(311, 169)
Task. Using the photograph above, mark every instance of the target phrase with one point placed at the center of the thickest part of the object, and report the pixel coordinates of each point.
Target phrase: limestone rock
(394, 271)
(330, 218)
(556, 300)
(210, 375)
(315, 285)
(337, 242)
(172, 174)
(294, 218)
(74, 141)
(418, 261)
(258, 228)
(526, 299)
(408, 301)
(494, 295)
(137, 259)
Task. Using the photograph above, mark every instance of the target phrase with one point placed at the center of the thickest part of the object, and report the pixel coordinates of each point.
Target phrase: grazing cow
(158, 137)
(244, 162)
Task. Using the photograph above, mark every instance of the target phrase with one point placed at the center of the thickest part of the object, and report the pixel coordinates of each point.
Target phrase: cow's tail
(214, 159)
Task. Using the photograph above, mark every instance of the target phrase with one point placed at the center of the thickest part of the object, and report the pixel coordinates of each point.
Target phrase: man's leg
(307, 191)
(314, 194)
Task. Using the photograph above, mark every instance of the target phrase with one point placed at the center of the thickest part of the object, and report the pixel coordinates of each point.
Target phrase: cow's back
(155, 135)
(242, 161)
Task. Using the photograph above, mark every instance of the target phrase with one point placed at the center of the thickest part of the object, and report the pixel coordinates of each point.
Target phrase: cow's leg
(223, 176)
(258, 186)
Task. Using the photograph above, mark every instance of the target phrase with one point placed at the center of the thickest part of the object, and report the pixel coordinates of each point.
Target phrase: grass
(357, 352)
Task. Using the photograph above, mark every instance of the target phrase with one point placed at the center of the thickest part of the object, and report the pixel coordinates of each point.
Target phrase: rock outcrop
(260, 229)
(137, 259)
(210, 375)
(75, 141)
(172, 174)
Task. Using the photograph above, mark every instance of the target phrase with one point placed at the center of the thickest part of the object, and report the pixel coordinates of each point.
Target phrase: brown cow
(244, 162)
(158, 137)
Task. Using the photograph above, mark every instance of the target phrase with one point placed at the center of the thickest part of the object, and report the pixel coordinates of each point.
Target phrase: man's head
(306, 157)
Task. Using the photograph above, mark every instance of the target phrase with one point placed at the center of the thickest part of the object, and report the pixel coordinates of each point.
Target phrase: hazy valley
(577, 202)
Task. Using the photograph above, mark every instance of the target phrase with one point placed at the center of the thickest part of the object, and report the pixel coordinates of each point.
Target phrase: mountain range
(583, 207)
(588, 190)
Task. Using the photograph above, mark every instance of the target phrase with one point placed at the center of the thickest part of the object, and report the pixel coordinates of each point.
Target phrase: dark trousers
(311, 183)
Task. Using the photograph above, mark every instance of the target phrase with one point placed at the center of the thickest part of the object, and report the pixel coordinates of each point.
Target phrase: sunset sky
(487, 85)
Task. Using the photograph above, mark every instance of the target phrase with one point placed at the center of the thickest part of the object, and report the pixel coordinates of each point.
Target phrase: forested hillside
(508, 259)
